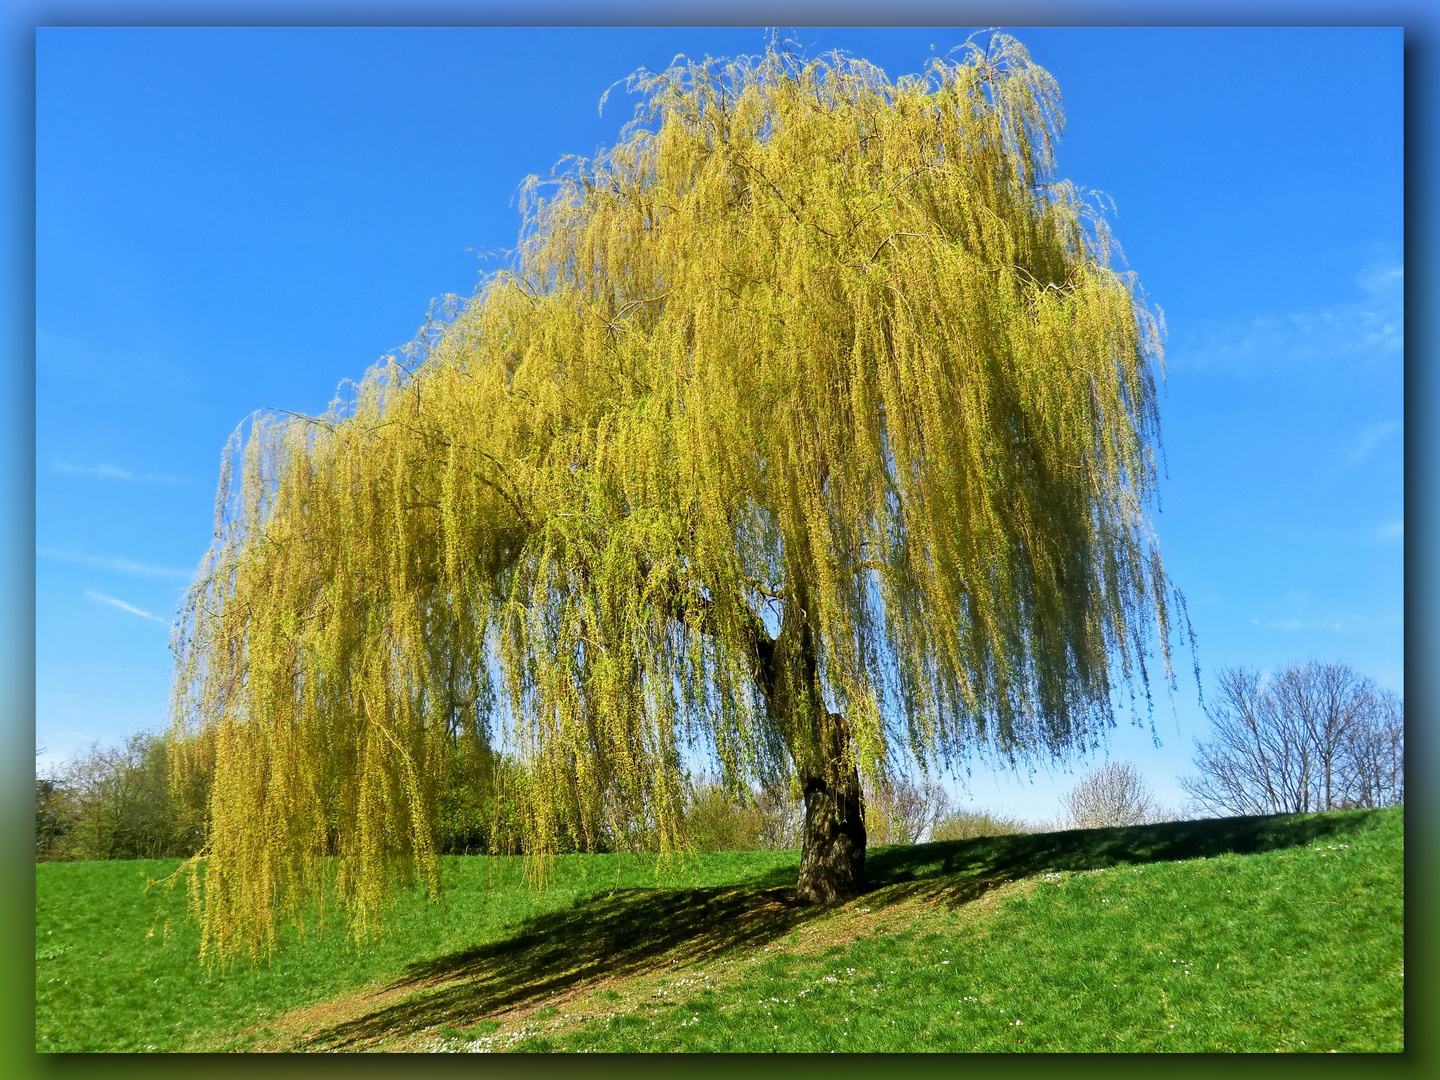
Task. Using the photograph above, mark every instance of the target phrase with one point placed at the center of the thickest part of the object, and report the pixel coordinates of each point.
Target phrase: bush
(1113, 796)
(970, 824)
(55, 816)
(899, 811)
(119, 803)
(477, 808)
(717, 820)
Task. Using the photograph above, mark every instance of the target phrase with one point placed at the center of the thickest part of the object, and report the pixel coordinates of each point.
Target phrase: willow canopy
(812, 430)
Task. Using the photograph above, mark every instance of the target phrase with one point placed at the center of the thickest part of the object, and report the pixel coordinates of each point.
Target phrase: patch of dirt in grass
(349, 1023)
(606, 957)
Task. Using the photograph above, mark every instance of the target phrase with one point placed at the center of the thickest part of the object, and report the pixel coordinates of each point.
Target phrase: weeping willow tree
(812, 429)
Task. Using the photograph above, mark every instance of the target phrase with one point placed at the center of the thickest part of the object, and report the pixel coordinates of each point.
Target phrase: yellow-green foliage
(806, 347)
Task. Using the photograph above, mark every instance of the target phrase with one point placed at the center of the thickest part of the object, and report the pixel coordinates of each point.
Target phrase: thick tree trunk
(832, 852)
(832, 845)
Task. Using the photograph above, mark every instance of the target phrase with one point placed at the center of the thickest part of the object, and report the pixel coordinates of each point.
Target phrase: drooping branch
(868, 373)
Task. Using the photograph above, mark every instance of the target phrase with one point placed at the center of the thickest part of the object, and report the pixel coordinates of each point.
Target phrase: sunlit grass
(1250, 935)
(1292, 950)
(109, 976)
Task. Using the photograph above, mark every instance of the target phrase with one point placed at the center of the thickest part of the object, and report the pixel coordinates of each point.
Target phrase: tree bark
(832, 847)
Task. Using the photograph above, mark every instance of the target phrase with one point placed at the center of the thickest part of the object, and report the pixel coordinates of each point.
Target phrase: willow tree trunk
(832, 847)
(832, 844)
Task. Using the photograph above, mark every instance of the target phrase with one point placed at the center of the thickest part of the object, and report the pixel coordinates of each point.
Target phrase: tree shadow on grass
(599, 938)
(964, 870)
(634, 931)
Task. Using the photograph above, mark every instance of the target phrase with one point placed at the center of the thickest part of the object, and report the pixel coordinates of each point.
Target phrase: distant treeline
(132, 802)
(119, 803)
(1314, 736)
(140, 801)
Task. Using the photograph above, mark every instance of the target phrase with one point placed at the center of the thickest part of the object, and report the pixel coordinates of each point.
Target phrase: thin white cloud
(110, 472)
(1352, 452)
(1365, 331)
(1367, 439)
(123, 606)
(119, 566)
(1378, 280)
(1395, 530)
(1298, 624)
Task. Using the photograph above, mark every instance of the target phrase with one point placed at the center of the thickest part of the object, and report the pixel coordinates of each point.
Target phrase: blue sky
(234, 219)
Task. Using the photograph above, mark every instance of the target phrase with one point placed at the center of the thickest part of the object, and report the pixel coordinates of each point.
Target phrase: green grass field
(1249, 934)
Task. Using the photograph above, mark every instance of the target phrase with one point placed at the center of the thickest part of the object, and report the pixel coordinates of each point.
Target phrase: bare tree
(1326, 701)
(1373, 756)
(1114, 795)
(1257, 761)
(902, 811)
(1318, 736)
(782, 815)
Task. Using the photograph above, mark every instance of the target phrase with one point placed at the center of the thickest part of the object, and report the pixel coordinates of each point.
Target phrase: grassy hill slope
(1255, 934)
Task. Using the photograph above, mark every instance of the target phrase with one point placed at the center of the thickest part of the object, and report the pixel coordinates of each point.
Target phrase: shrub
(1113, 796)
(719, 820)
(969, 824)
(119, 803)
